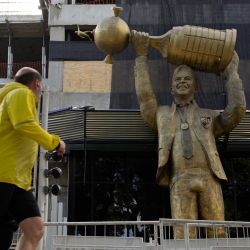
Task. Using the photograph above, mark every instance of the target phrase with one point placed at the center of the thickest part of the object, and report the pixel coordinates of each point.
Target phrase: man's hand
(140, 41)
(232, 67)
(61, 149)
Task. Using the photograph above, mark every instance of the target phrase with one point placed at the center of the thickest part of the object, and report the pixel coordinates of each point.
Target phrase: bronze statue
(188, 159)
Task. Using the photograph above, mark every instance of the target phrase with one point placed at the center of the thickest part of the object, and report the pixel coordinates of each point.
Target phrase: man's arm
(22, 115)
(143, 87)
(35, 132)
(236, 103)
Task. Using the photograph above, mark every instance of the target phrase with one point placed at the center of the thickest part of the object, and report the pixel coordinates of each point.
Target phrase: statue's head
(183, 82)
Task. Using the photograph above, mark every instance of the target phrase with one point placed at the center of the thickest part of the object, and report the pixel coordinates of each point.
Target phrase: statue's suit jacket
(207, 125)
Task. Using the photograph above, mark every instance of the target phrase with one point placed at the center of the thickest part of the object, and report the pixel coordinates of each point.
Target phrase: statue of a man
(188, 159)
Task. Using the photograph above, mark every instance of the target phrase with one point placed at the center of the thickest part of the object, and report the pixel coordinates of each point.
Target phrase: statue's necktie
(186, 139)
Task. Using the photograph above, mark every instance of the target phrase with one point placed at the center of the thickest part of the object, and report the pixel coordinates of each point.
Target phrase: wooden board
(87, 77)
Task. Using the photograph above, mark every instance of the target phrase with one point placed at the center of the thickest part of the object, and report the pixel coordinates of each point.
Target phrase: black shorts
(16, 203)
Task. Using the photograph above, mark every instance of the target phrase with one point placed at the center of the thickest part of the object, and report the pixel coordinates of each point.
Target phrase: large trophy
(201, 48)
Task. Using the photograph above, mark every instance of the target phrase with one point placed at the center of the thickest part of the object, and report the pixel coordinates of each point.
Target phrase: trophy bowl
(112, 34)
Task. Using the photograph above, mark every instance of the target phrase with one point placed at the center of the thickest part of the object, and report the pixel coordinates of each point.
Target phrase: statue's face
(183, 84)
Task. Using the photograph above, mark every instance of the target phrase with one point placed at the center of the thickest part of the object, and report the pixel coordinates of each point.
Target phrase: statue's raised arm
(236, 103)
(144, 89)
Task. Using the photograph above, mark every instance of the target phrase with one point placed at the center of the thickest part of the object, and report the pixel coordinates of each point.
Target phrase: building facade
(112, 155)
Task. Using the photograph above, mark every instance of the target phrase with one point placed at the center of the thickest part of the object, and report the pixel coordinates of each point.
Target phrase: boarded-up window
(87, 76)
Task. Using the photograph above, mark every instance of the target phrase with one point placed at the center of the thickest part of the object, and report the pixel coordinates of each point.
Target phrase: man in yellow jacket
(20, 135)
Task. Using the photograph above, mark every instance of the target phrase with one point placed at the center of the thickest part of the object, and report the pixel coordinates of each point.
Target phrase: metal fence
(205, 235)
(102, 235)
(147, 235)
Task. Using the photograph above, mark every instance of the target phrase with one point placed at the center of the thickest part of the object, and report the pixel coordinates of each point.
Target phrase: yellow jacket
(20, 134)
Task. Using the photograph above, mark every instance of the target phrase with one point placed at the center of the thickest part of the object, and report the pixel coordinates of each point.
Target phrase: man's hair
(26, 75)
(187, 68)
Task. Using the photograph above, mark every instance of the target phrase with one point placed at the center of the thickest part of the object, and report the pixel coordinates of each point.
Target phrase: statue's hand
(232, 67)
(140, 42)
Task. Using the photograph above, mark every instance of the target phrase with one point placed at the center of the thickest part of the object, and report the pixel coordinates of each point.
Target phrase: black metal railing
(18, 65)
